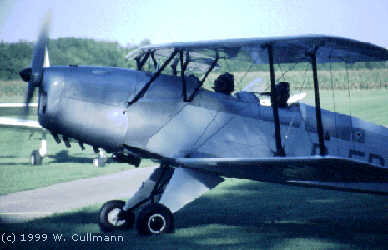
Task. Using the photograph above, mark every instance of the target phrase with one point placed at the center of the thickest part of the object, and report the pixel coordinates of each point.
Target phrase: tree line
(63, 51)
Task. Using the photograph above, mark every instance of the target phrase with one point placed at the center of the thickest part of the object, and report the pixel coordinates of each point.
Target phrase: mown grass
(60, 165)
(240, 214)
(367, 104)
(12, 91)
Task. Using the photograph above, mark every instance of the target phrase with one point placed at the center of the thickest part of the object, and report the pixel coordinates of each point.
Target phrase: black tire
(36, 159)
(107, 219)
(155, 219)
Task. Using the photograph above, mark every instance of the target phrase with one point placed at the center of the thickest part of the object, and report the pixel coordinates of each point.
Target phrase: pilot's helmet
(224, 83)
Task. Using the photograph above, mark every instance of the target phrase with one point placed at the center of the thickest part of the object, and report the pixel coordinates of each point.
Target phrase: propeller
(34, 74)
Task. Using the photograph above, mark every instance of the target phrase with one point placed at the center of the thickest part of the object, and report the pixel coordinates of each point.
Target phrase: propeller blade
(34, 75)
(46, 62)
(39, 53)
(28, 98)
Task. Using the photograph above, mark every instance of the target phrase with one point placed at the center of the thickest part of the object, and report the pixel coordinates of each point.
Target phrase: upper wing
(20, 124)
(285, 49)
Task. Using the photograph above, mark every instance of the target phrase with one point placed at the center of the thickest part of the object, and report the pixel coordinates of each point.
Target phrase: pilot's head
(224, 83)
(283, 93)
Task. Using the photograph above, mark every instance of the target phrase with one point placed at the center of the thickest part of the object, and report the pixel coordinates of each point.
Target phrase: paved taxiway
(62, 197)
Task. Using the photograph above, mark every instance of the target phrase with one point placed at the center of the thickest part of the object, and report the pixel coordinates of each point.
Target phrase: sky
(131, 21)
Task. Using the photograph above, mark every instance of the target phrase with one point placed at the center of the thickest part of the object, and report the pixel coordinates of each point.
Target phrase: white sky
(182, 20)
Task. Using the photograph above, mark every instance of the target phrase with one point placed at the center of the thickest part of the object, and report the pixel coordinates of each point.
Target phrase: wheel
(36, 159)
(155, 219)
(109, 218)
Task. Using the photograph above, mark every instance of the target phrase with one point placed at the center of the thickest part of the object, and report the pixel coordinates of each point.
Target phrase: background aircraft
(200, 136)
(37, 155)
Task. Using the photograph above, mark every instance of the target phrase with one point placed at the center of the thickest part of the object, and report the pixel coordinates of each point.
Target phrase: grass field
(60, 165)
(239, 214)
(369, 105)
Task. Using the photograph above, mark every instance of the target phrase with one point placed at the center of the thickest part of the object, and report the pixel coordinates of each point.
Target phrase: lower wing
(321, 171)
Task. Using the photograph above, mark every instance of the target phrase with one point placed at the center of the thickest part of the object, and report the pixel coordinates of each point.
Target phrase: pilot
(283, 93)
(224, 84)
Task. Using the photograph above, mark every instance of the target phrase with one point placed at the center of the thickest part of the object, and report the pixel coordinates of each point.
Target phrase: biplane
(200, 136)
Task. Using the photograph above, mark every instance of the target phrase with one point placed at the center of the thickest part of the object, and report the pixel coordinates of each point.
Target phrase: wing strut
(322, 148)
(141, 61)
(153, 78)
(184, 64)
(275, 108)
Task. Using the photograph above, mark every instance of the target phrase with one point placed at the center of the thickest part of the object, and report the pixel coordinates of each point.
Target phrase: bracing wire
(282, 74)
(286, 71)
(333, 97)
(349, 94)
(240, 79)
(332, 87)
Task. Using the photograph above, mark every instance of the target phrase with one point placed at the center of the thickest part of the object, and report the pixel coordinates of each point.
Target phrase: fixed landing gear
(151, 216)
(152, 219)
(155, 219)
(37, 155)
(101, 159)
(36, 158)
(111, 217)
